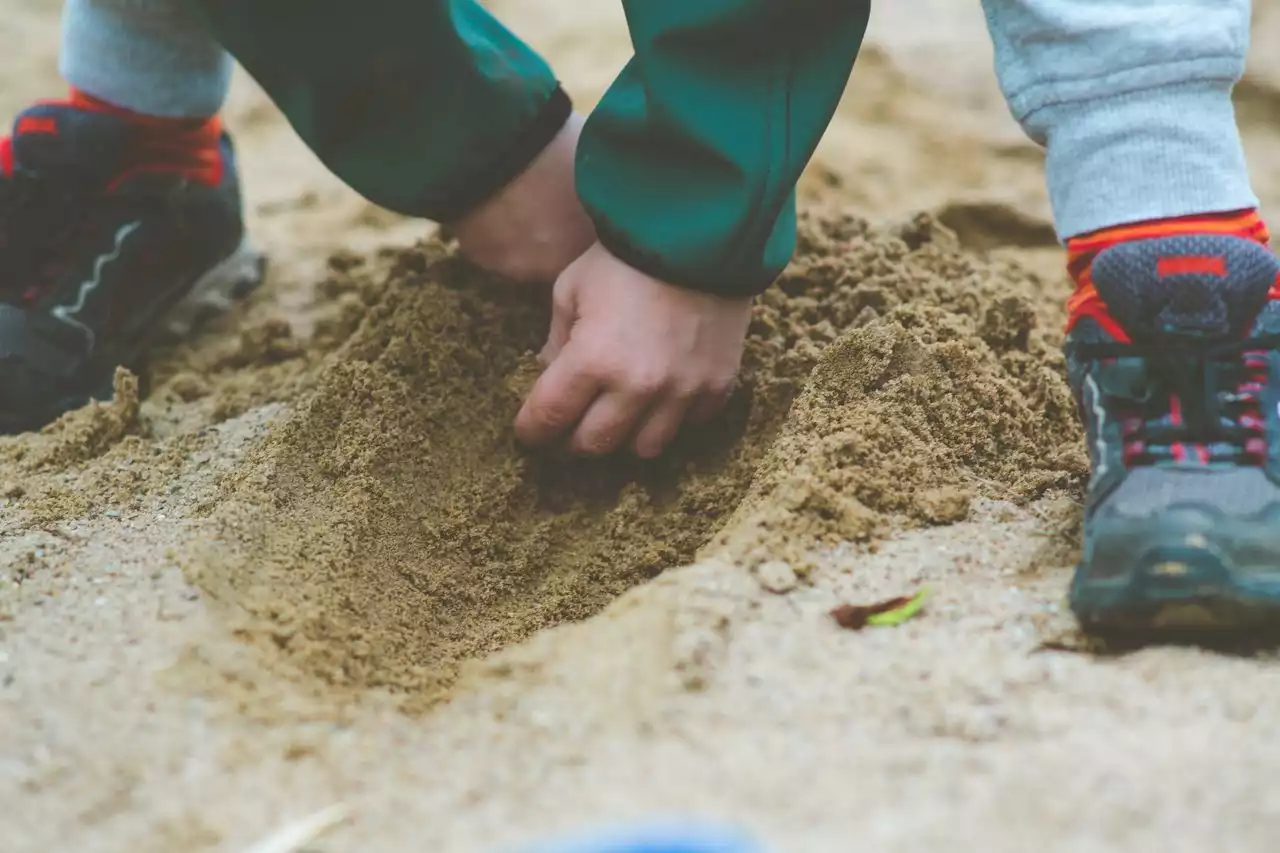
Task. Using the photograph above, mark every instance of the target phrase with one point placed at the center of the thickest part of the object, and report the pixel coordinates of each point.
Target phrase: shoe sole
(216, 292)
(1189, 582)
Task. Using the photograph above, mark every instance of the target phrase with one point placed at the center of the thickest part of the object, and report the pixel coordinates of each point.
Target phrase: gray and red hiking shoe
(1176, 368)
(101, 250)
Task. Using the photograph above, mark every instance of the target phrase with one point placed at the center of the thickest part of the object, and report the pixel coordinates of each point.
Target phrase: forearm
(688, 166)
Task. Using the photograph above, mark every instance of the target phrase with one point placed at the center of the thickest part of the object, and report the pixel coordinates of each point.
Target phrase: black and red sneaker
(102, 250)
(1174, 354)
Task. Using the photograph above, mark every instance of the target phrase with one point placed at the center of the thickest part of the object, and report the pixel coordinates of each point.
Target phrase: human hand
(629, 358)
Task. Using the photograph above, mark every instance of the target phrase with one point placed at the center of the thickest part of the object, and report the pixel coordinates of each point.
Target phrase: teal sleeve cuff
(689, 164)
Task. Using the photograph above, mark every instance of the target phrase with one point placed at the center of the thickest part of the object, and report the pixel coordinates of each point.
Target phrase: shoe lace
(1192, 402)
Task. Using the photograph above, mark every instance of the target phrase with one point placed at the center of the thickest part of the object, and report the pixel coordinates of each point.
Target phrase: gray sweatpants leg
(1132, 99)
(150, 56)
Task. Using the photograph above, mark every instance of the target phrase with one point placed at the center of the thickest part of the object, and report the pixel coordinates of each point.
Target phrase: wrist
(731, 285)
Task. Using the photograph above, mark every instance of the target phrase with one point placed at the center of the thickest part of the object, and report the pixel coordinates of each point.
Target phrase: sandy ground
(280, 582)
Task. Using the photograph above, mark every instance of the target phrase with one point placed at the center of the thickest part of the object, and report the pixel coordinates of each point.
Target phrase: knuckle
(562, 301)
(554, 414)
(649, 382)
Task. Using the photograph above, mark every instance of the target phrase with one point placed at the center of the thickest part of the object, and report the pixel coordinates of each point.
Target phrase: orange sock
(189, 145)
(1081, 251)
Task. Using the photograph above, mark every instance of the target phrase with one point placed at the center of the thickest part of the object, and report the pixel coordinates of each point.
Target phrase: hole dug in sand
(389, 529)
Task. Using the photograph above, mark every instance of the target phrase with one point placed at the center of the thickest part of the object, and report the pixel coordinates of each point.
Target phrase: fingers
(710, 403)
(610, 421)
(562, 394)
(573, 397)
(653, 420)
(661, 428)
(662, 425)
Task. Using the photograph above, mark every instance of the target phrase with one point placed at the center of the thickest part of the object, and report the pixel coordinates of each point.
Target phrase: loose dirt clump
(946, 387)
(82, 435)
(37, 465)
(391, 528)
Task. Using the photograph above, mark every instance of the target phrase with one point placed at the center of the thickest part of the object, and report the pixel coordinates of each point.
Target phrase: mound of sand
(390, 528)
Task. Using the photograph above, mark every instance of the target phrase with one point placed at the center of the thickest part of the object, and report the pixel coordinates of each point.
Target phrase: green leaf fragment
(900, 614)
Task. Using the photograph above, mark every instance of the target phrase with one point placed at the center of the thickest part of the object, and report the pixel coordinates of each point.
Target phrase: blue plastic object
(673, 838)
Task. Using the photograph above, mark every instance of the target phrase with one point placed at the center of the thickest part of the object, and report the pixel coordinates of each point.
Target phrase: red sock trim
(206, 129)
(1081, 251)
(186, 145)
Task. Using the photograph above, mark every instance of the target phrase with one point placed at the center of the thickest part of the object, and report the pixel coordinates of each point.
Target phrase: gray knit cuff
(1147, 154)
(150, 56)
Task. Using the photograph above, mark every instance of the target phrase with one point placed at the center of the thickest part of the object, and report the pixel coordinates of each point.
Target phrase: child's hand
(629, 358)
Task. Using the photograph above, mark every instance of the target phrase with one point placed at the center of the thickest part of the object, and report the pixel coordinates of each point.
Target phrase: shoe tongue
(59, 138)
(1198, 287)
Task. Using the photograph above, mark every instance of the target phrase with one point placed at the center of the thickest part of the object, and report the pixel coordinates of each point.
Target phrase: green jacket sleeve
(426, 107)
(689, 164)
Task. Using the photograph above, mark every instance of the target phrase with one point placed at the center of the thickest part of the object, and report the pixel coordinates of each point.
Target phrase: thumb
(564, 313)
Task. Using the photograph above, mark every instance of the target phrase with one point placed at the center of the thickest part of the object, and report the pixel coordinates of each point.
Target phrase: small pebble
(776, 576)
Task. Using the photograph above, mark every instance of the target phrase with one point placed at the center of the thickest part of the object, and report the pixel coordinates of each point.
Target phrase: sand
(299, 560)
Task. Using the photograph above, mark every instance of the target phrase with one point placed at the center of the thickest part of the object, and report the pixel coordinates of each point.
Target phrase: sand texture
(301, 561)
